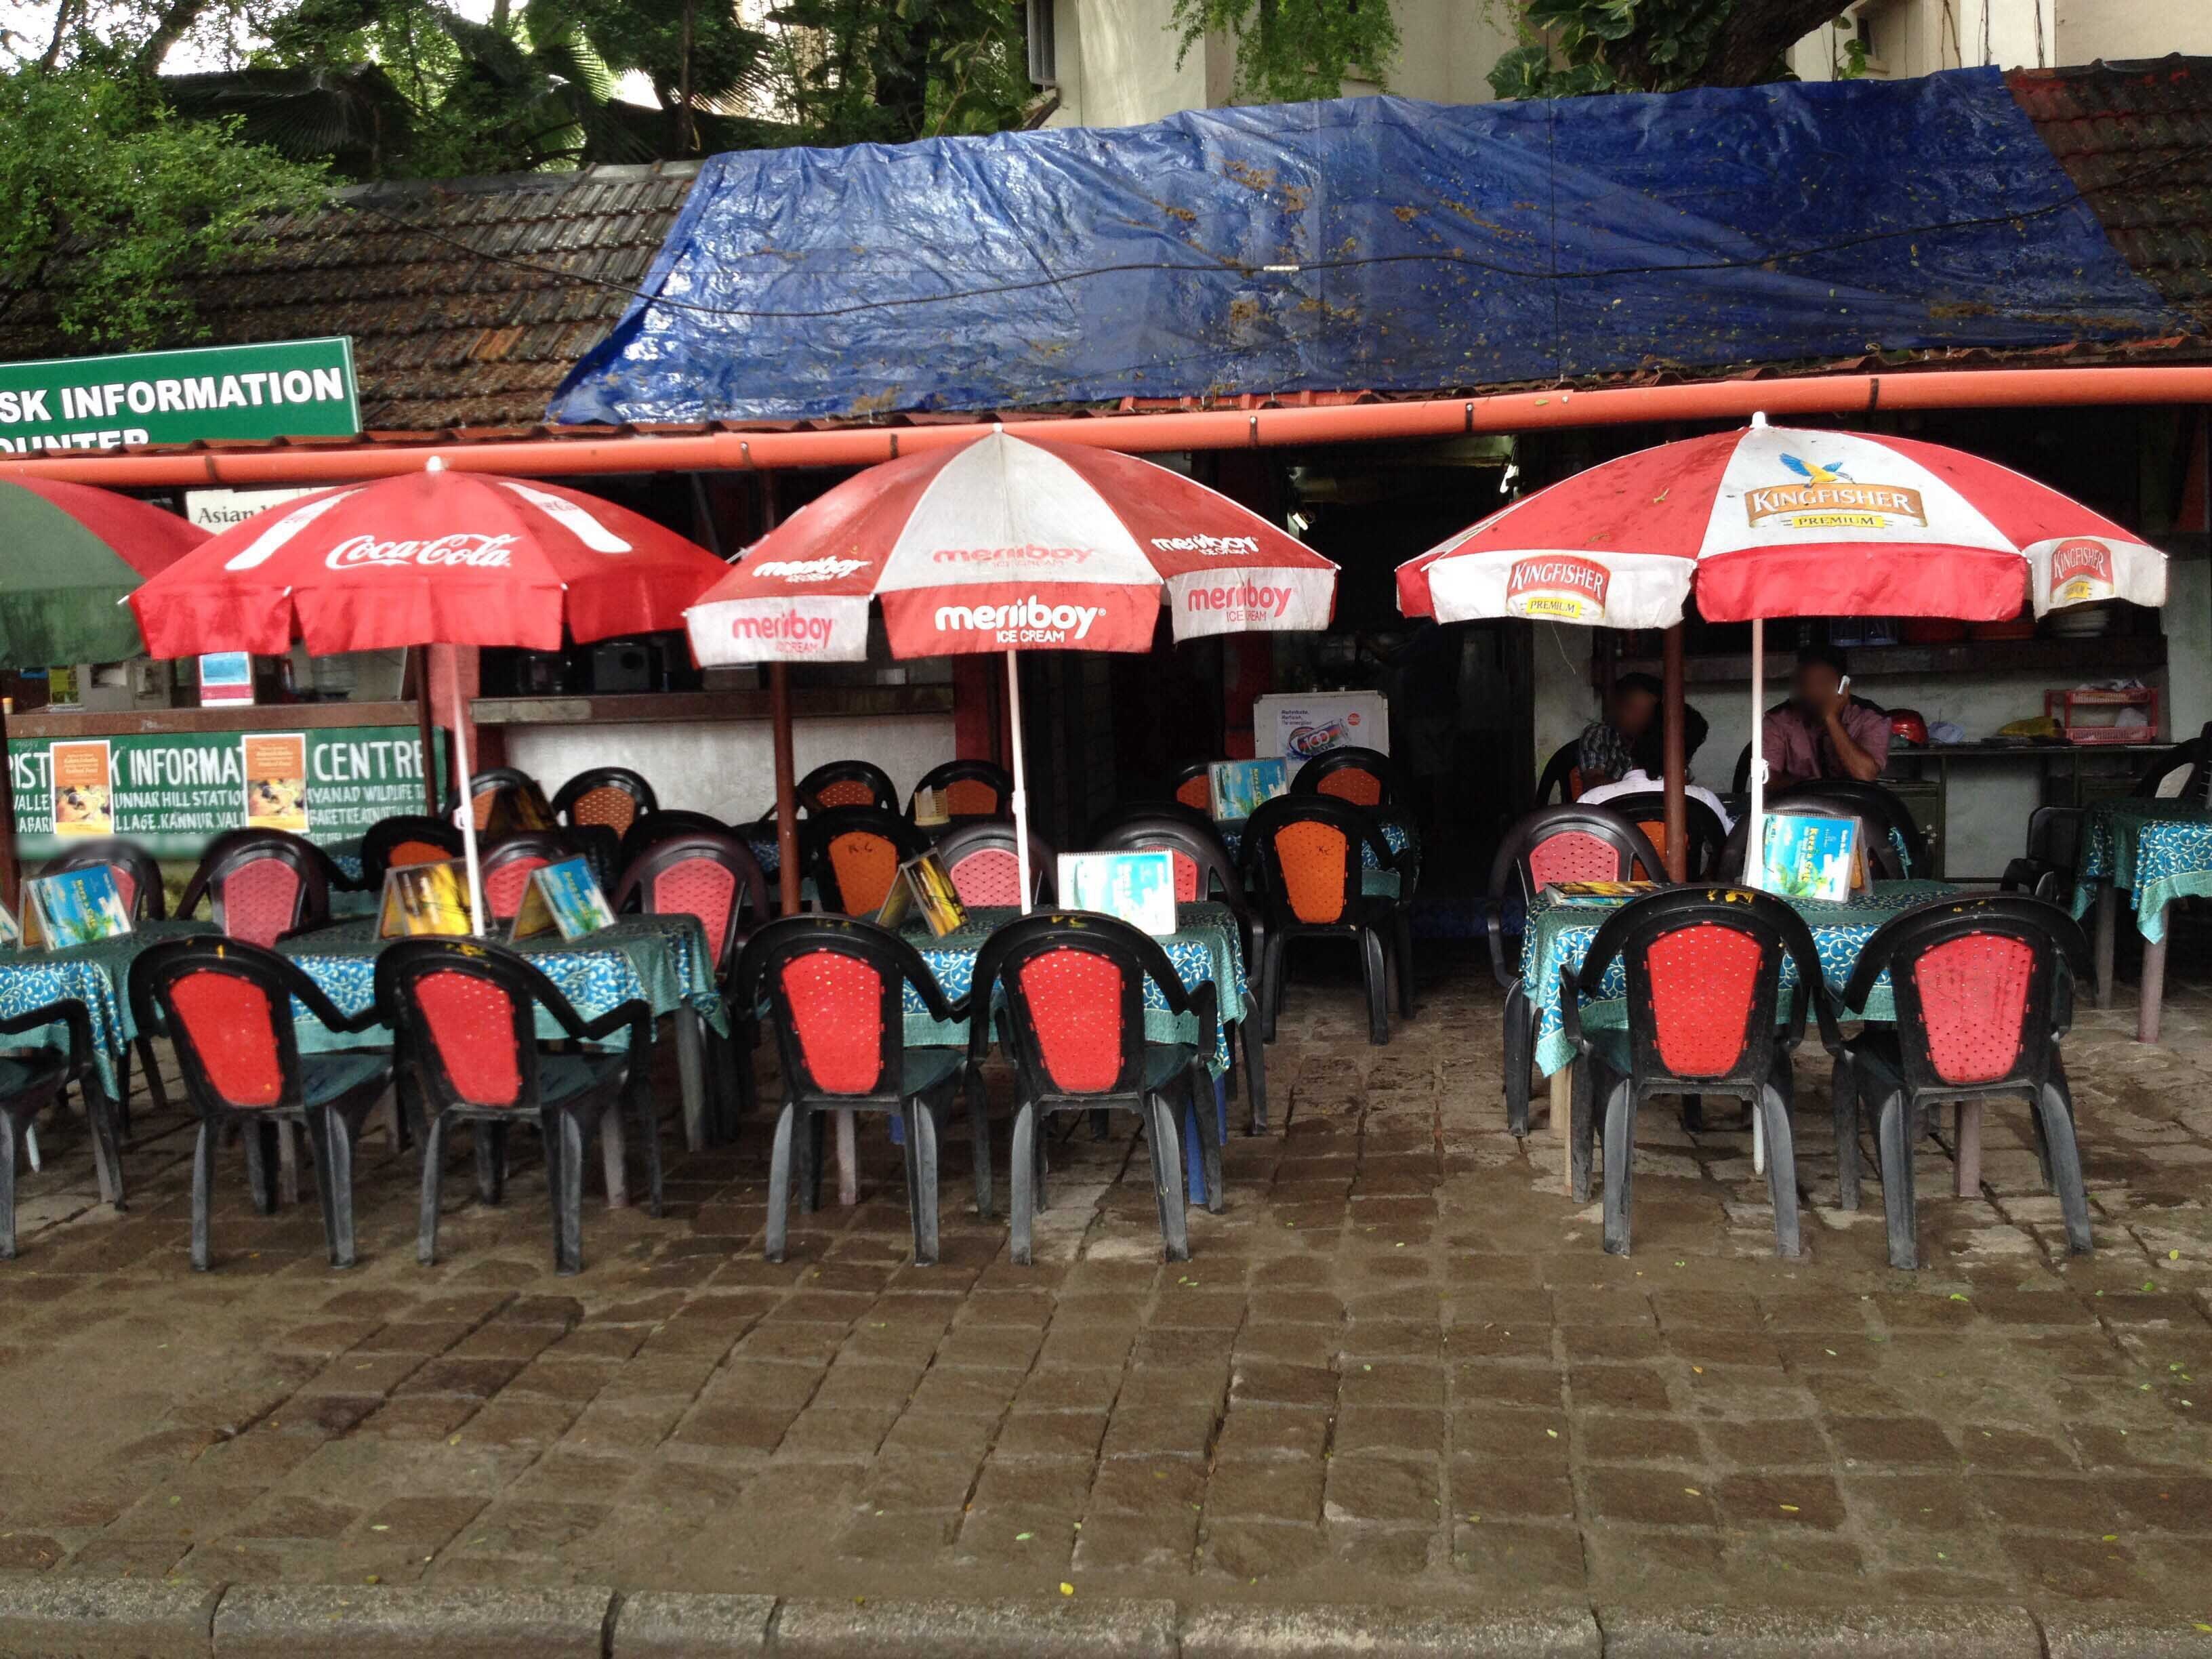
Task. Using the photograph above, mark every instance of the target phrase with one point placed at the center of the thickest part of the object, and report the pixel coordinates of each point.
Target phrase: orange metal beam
(1433, 417)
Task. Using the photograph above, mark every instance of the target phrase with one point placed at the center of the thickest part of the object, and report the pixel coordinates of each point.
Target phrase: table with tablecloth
(2156, 852)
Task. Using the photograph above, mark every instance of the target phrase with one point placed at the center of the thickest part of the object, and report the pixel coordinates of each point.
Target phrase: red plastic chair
(853, 853)
(1363, 777)
(510, 862)
(985, 869)
(1192, 786)
(847, 783)
(261, 885)
(971, 788)
(138, 879)
(613, 796)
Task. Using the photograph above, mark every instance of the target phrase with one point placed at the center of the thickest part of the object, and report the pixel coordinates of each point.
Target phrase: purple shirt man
(1820, 733)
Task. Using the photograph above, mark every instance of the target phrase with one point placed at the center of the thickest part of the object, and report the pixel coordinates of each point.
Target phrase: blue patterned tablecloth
(1560, 934)
(1205, 949)
(98, 975)
(661, 959)
(2156, 851)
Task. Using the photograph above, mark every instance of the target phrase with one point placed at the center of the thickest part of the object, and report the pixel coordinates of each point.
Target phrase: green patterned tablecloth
(98, 975)
(2156, 851)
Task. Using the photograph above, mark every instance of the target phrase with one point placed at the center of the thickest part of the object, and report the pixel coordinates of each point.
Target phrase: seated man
(1648, 768)
(1823, 732)
(1604, 754)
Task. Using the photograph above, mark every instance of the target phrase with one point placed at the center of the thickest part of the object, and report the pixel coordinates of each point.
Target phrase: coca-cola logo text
(461, 548)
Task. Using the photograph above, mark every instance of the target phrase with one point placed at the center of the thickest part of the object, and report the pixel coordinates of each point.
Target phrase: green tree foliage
(1573, 47)
(882, 71)
(1289, 49)
(111, 199)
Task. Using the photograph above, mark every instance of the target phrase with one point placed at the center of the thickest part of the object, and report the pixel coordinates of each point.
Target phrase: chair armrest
(2062, 1002)
(317, 1002)
(1206, 1002)
(1497, 918)
(636, 1014)
(68, 1011)
(1570, 1011)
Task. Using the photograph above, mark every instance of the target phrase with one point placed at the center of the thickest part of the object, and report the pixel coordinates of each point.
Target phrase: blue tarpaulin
(1364, 243)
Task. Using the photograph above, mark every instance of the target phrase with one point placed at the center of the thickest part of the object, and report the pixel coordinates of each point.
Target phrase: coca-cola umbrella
(435, 557)
(1009, 543)
(1772, 522)
(68, 554)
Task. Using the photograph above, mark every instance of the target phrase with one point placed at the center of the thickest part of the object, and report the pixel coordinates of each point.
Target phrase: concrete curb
(1907, 1631)
(1085, 1629)
(2125, 1633)
(669, 1625)
(44, 1616)
(1323, 1632)
(333, 1622)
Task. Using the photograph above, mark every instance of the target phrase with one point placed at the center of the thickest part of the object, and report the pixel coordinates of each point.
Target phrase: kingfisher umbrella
(1773, 522)
(427, 558)
(1009, 543)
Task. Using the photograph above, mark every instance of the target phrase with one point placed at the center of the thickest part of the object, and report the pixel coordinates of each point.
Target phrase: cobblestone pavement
(1399, 1369)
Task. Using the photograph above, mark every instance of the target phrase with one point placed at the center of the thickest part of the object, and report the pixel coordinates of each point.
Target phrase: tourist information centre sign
(281, 389)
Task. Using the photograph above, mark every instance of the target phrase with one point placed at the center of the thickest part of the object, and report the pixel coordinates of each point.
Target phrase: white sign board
(1298, 726)
(216, 510)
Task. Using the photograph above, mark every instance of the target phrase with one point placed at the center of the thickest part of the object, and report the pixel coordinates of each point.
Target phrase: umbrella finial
(1759, 418)
(436, 463)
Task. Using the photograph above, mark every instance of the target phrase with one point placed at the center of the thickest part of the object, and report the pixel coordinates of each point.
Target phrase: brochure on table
(1599, 892)
(1138, 888)
(1239, 788)
(425, 900)
(77, 906)
(562, 898)
(923, 884)
(1804, 857)
(1298, 726)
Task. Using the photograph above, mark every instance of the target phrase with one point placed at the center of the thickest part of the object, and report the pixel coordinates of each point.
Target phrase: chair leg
(1375, 972)
(920, 1150)
(1021, 1200)
(433, 1165)
(648, 1132)
(204, 1150)
(1897, 1196)
(978, 1101)
(1167, 1177)
(7, 1186)
(1583, 1130)
(1205, 1108)
(1520, 1057)
(2054, 1110)
(261, 1161)
(1401, 927)
(568, 1192)
(332, 1140)
(1968, 1138)
(1255, 1067)
(1271, 987)
(1844, 1105)
(1620, 1165)
(100, 1116)
(490, 1150)
(1781, 1170)
(810, 1162)
(779, 1182)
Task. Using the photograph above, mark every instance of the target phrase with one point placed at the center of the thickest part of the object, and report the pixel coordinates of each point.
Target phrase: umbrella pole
(419, 659)
(468, 814)
(1676, 763)
(1021, 782)
(1755, 840)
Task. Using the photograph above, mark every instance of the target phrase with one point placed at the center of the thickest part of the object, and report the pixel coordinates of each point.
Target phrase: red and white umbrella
(432, 557)
(1010, 544)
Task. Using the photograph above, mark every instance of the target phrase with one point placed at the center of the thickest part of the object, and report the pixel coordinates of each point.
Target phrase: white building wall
(1920, 37)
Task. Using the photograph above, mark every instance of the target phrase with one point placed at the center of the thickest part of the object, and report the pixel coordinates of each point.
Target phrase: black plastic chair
(1551, 844)
(666, 823)
(848, 783)
(1074, 1026)
(971, 789)
(713, 876)
(1705, 975)
(506, 865)
(138, 878)
(227, 1006)
(1982, 987)
(1307, 851)
(1872, 804)
(853, 853)
(1365, 777)
(1191, 786)
(833, 988)
(31, 1080)
(1647, 810)
(2046, 870)
(466, 1014)
(1883, 863)
(393, 844)
(985, 866)
(1166, 806)
(611, 795)
(1562, 775)
(261, 884)
(485, 788)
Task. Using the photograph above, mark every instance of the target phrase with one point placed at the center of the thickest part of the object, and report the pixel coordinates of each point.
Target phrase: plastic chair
(485, 788)
(506, 865)
(1704, 976)
(853, 853)
(1563, 774)
(713, 876)
(2054, 852)
(848, 783)
(1984, 992)
(971, 789)
(1307, 849)
(2195, 754)
(1883, 863)
(138, 878)
(1193, 786)
(667, 824)
(1647, 810)
(227, 1006)
(612, 795)
(1166, 807)
(262, 885)
(986, 870)
(1871, 803)
(1074, 1026)
(834, 989)
(466, 1014)
(395, 843)
(1365, 777)
(32, 1080)
(1551, 844)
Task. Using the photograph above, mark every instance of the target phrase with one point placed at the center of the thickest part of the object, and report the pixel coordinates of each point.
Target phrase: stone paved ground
(1398, 1369)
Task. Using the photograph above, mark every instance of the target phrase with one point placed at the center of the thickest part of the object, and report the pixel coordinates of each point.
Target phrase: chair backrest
(1647, 810)
(506, 866)
(847, 783)
(854, 853)
(1307, 848)
(985, 866)
(834, 986)
(467, 1010)
(709, 874)
(137, 875)
(1075, 1001)
(665, 824)
(1883, 863)
(1191, 786)
(227, 1007)
(970, 788)
(2196, 755)
(1203, 868)
(262, 885)
(1872, 804)
(1561, 773)
(1704, 966)
(1982, 985)
(485, 788)
(1571, 843)
(395, 843)
(1365, 777)
(612, 795)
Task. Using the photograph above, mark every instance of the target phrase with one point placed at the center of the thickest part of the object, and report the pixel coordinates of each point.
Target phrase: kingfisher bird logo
(1815, 472)
(1827, 497)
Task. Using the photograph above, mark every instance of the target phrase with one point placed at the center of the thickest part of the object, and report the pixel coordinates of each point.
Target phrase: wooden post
(418, 666)
(1676, 762)
(786, 788)
(8, 871)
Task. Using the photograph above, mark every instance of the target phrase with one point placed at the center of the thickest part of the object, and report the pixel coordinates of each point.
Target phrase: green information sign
(175, 793)
(283, 389)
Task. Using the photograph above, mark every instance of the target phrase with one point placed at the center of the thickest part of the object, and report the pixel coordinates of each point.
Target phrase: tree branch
(175, 21)
(1759, 32)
